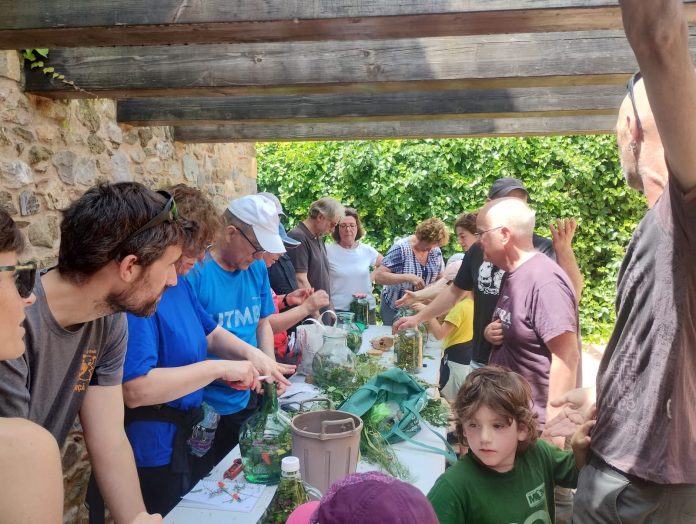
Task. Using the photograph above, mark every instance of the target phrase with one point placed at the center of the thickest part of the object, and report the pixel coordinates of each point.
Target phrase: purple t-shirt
(536, 304)
(646, 385)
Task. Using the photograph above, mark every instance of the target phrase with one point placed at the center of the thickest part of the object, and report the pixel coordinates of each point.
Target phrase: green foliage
(395, 184)
(36, 58)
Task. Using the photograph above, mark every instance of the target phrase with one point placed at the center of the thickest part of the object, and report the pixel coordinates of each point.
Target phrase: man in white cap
(232, 285)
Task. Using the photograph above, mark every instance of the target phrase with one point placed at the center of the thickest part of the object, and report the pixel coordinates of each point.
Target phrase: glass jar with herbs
(265, 439)
(345, 322)
(408, 311)
(408, 350)
(360, 307)
(291, 493)
(334, 363)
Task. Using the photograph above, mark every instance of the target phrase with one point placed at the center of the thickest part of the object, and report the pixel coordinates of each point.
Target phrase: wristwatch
(285, 301)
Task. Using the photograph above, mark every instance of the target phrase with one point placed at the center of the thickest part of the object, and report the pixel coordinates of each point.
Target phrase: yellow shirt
(461, 316)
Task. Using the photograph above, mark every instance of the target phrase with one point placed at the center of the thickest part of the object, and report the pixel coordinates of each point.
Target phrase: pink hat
(302, 513)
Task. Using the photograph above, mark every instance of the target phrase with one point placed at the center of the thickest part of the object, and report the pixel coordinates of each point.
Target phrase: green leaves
(395, 184)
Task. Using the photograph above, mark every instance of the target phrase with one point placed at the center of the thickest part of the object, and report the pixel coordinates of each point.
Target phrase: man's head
(504, 226)
(640, 147)
(128, 231)
(508, 187)
(251, 228)
(325, 214)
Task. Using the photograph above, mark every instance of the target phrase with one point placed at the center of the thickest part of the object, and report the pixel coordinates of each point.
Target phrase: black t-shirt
(281, 275)
(488, 279)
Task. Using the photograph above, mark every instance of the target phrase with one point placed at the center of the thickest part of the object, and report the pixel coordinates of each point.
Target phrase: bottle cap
(290, 464)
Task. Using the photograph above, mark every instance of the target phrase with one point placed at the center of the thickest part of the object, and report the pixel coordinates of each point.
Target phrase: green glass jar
(408, 350)
(265, 439)
(360, 307)
(345, 322)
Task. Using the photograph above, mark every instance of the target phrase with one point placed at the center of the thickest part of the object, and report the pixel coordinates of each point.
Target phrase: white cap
(290, 464)
(274, 199)
(261, 215)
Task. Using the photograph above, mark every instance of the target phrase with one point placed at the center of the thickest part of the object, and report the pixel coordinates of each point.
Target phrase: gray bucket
(327, 442)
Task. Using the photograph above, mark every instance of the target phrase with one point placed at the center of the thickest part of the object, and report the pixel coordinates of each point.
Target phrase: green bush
(395, 184)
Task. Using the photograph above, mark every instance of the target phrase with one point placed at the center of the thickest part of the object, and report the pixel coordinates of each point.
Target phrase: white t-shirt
(350, 273)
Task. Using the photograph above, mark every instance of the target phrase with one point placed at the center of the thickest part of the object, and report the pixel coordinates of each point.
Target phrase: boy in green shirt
(508, 474)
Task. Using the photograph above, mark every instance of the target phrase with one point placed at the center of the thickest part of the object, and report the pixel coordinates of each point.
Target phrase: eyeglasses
(479, 234)
(348, 226)
(24, 278)
(630, 86)
(257, 249)
(168, 213)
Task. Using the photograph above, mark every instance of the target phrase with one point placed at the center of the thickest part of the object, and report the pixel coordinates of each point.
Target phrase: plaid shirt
(401, 260)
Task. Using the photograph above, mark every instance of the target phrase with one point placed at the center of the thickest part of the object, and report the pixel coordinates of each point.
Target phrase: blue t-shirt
(174, 336)
(237, 300)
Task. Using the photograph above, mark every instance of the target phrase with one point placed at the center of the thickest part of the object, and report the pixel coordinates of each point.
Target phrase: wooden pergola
(259, 70)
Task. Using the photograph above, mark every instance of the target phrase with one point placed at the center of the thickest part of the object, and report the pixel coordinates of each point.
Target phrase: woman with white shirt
(349, 263)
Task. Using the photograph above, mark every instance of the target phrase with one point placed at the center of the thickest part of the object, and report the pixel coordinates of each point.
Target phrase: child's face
(492, 439)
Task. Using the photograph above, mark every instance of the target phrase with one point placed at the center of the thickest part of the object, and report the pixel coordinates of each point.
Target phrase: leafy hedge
(395, 184)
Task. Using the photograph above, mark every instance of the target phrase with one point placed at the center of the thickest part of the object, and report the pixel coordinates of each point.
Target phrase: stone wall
(52, 151)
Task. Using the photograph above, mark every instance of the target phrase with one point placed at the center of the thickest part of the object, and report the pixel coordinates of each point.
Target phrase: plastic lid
(290, 464)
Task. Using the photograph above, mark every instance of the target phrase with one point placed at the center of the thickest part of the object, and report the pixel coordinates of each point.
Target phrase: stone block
(24, 134)
(88, 115)
(7, 203)
(43, 232)
(113, 132)
(39, 154)
(138, 156)
(55, 193)
(153, 166)
(165, 150)
(28, 203)
(191, 169)
(64, 162)
(15, 174)
(95, 144)
(11, 65)
(145, 135)
(85, 170)
(120, 167)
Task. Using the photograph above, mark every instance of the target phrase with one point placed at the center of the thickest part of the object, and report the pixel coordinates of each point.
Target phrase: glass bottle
(265, 439)
(408, 350)
(291, 493)
(345, 321)
(334, 364)
(360, 307)
(408, 311)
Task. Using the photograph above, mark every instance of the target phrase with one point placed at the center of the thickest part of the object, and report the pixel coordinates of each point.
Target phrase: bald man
(535, 327)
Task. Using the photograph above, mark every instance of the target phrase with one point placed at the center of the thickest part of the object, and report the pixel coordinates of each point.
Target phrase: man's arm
(290, 317)
(264, 337)
(658, 34)
(562, 233)
(441, 305)
(564, 367)
(110, 452)
(302, 280)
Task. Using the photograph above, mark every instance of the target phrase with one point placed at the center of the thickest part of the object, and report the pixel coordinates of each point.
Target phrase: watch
(285, 301)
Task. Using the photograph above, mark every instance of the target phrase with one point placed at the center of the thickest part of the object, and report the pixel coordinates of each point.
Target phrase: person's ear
(522, 432)
(505, 235)
(230, 231)
(128, 268)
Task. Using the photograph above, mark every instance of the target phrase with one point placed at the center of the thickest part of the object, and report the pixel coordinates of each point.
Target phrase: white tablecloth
(425, 467)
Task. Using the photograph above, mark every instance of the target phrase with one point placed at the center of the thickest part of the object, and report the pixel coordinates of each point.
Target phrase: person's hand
(408, 298)
(418, 306)
(239, 374)
(576, 407)
(267, 366)
(562, 233)
(317, 300)
(297, 297)
(405, 323)
(581, 440)
(415, 281)
(146, 518)
(494, 332)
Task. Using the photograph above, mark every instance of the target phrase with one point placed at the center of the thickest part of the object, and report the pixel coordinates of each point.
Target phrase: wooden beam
(602, 124)
(477, 103)
(80, 23)
(542, 59)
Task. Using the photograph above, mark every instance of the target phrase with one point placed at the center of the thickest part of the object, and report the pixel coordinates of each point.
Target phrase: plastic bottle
(291, 493)
(203, 433)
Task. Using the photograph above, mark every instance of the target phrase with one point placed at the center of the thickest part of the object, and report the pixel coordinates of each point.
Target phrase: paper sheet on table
(207, 493)
(297, 392)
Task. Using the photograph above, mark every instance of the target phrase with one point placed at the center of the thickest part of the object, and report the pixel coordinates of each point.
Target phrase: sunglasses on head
(24, 278)
(168, 213)
(630, 86)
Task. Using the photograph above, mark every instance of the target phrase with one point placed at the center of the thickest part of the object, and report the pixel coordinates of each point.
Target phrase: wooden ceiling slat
(542, 59)
(493, 103)
(602, 124)
(79, 23)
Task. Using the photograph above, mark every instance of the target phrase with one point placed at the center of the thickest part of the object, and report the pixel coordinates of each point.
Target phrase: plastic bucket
(327, 443)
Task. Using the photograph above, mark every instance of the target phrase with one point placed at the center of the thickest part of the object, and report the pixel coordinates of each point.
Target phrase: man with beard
(118, 247)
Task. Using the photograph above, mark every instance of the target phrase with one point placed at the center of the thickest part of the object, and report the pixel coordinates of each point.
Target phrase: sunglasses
(630, 87)
(24, 278)
(168, 213)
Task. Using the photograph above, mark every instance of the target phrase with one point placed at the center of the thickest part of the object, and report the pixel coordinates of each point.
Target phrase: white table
(425, 467)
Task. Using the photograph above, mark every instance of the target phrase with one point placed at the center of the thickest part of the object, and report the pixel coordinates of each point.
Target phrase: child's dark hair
(11, 240)
(504, 392)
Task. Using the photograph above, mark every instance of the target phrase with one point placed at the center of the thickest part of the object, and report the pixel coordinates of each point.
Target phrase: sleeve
(463, 311)
(299, 255)
(143, 347)
(108, 370)
(14, 388)
(464, 279)
(207, 321)
(447, 503)
(394, 259)
(267, 305)
(682, 208)
(554, 310)
(562, 465)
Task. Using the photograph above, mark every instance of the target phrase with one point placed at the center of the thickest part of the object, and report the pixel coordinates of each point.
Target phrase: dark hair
(96, 227)
(349, 212)
(194, 206)
(504, 392)
(433, 231)
(11, 240)
(466, 221)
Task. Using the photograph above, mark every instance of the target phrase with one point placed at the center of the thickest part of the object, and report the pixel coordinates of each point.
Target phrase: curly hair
(433, 231)
(504, 392)
(349, 212)
(466, 221)
(194, 206)
(11, 240)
